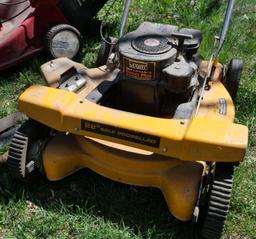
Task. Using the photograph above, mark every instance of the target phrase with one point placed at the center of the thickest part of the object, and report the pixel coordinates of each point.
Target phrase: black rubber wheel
(63, 41)
(105, 50)
(233, 77)
(26, 137)
(217, 202)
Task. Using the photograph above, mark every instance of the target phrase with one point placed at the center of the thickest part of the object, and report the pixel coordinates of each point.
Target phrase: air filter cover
(152, 44)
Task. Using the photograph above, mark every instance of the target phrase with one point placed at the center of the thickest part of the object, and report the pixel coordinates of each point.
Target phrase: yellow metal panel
(203, 138)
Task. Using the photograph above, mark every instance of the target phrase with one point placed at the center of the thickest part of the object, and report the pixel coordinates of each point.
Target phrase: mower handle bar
(226, 24)
(125, 17)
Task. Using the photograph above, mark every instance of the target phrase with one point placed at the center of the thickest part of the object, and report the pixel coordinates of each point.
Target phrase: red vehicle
(29, 26)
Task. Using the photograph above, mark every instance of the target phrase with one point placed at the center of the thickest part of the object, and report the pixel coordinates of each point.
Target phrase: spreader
(155, 114)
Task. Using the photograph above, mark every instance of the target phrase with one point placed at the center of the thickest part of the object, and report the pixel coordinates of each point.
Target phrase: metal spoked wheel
(217, 202)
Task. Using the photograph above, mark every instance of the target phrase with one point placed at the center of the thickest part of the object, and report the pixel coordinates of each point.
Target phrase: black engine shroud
(153, 69)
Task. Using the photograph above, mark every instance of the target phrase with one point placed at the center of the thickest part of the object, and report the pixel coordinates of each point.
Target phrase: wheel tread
(218, 202)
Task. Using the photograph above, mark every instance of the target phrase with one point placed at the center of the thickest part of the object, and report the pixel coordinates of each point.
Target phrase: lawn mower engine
(158, 71)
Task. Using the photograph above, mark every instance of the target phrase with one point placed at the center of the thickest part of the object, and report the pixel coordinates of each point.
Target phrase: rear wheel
(216, 202)
(26, 148)
(233, 77)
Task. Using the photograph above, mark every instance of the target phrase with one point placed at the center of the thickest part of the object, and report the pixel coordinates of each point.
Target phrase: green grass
(89, 206)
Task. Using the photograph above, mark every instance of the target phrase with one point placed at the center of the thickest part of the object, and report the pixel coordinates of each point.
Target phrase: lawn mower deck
(152, 116)
(131, 148)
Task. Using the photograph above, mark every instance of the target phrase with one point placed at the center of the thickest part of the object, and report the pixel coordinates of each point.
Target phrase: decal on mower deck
(139, 70)
(223, 106)
(124, 134)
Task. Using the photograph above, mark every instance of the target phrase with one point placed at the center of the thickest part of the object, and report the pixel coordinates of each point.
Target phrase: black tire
(105, 50)
(217, 202)
(63, 50)
(81, 13)
(233, 77)
(23, 140)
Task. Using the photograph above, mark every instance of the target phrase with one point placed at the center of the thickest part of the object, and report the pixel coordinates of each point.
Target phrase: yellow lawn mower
(155, 114)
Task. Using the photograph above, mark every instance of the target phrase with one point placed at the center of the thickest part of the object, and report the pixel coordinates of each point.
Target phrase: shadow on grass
(140, 209)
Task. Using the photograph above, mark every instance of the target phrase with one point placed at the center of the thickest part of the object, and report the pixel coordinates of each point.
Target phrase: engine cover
(145, 52)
